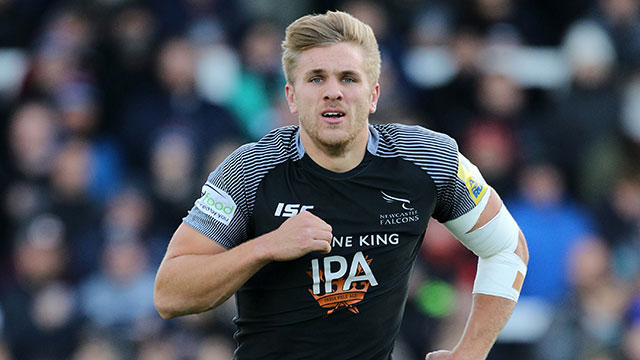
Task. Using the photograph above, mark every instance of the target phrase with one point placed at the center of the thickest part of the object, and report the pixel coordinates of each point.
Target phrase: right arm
(198, 274)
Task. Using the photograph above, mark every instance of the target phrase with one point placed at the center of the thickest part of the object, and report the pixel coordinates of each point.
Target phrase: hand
(439, 355)
(298, 236)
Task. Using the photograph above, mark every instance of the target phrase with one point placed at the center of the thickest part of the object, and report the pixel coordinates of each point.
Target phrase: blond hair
(323, 30)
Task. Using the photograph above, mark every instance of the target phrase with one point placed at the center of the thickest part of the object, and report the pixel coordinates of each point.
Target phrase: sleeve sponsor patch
(216, 203)
(470, 175)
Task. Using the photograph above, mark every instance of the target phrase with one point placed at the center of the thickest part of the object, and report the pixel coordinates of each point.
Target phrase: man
(316, 228)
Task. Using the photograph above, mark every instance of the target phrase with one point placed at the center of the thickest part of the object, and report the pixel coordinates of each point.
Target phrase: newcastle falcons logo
(406, 204)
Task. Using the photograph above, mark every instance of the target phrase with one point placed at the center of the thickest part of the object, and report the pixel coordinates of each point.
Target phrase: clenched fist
(298, 236)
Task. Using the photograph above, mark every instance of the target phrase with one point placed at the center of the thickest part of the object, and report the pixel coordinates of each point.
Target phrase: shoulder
(432, 151)
(277, 146)
(413, 138)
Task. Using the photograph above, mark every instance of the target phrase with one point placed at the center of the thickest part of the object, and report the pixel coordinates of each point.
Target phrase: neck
(337, 159)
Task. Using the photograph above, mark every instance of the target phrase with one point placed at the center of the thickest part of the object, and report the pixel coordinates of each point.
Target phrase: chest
(389, 201)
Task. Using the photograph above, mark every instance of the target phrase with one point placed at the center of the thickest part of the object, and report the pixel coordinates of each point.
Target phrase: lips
(333, 116)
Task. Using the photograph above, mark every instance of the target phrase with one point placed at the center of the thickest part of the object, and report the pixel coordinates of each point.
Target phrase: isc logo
(290, 210)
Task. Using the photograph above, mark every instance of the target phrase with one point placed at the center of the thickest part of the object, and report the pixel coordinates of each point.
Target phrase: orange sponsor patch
(342, 298)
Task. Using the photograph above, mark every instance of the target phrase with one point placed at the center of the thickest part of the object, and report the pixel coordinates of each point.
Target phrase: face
(332, 97)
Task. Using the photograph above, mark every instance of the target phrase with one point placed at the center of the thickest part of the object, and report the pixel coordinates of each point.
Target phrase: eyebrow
(314, 72)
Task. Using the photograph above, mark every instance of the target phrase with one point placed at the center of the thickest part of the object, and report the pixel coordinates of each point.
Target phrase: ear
(289, 93)
(375, 94)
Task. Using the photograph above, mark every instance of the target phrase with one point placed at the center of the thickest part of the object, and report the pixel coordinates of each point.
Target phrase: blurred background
(115, 111)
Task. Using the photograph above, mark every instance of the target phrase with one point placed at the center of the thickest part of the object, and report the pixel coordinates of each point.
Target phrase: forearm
(197, 274)
(193, 283)
(486, 320)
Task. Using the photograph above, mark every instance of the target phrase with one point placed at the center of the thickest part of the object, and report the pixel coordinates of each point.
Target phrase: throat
(336, 157)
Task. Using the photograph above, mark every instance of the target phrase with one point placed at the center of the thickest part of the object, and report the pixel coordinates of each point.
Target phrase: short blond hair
(327, 29)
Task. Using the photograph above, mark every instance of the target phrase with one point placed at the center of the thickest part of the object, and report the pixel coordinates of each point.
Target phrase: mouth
(333, 116)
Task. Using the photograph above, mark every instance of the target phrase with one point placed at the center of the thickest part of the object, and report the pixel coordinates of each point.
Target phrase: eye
(316, 79)
(349, 80)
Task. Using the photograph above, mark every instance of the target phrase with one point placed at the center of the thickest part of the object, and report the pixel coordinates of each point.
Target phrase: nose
(332, 90)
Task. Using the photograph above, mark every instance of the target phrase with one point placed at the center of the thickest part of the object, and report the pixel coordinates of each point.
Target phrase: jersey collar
(372, 143)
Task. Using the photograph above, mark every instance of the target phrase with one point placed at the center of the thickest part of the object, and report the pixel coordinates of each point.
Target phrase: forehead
(338, 57)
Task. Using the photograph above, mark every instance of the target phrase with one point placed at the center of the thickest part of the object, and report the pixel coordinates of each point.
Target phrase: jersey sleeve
(460, 193)
(221, 211)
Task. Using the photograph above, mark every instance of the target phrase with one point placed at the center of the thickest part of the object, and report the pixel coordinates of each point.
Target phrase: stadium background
(114, 112)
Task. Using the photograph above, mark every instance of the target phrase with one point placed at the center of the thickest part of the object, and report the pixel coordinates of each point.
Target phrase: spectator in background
(554, 222)
(452, 103)
(200, 20)
(62, 51)
(173, 183)
(620, 224)
(70, 200)
(511, 19)
(81, 118)
(32, 141)
(39, 306)
(501, 111)
(33, 137)
(260, 81)
(127, 216)
(125, 65)
(586, 118)
(118, 298)
(175, 105)
(621, 20)
(590, 320)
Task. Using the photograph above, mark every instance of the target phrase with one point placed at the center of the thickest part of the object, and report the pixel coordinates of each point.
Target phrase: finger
(322, 246)
(323, 235)
(315, 217)
(308, 213)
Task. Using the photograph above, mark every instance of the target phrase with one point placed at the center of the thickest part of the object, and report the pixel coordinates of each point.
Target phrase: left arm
(488, 316)
(500, 276)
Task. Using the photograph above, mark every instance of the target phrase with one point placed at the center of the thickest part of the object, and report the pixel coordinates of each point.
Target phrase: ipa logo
(339, 283)
(216, 203)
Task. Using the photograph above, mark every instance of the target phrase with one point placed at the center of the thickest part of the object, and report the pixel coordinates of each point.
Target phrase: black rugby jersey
(347, 304)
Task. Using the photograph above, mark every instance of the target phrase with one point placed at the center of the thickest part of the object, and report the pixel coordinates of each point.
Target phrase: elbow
(164, 312)
(167, 301)
(171, 305)
(163, 304)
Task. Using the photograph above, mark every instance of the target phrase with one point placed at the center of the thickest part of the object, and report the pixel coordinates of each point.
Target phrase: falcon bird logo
(406, 204)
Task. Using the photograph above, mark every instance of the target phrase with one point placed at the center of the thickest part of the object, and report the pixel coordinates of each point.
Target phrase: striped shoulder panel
(259, 158)
(239, 177)
(437, 155)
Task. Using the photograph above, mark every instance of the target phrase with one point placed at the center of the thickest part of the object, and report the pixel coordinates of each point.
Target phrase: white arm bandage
(500, 270)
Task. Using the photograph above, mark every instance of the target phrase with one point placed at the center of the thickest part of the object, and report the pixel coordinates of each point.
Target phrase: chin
(334, 137)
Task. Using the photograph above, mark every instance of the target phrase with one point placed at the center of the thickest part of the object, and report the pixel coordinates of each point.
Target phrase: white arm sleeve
(500, 270)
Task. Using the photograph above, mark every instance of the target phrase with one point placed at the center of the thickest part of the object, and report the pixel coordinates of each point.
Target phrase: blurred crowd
(116, 110)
